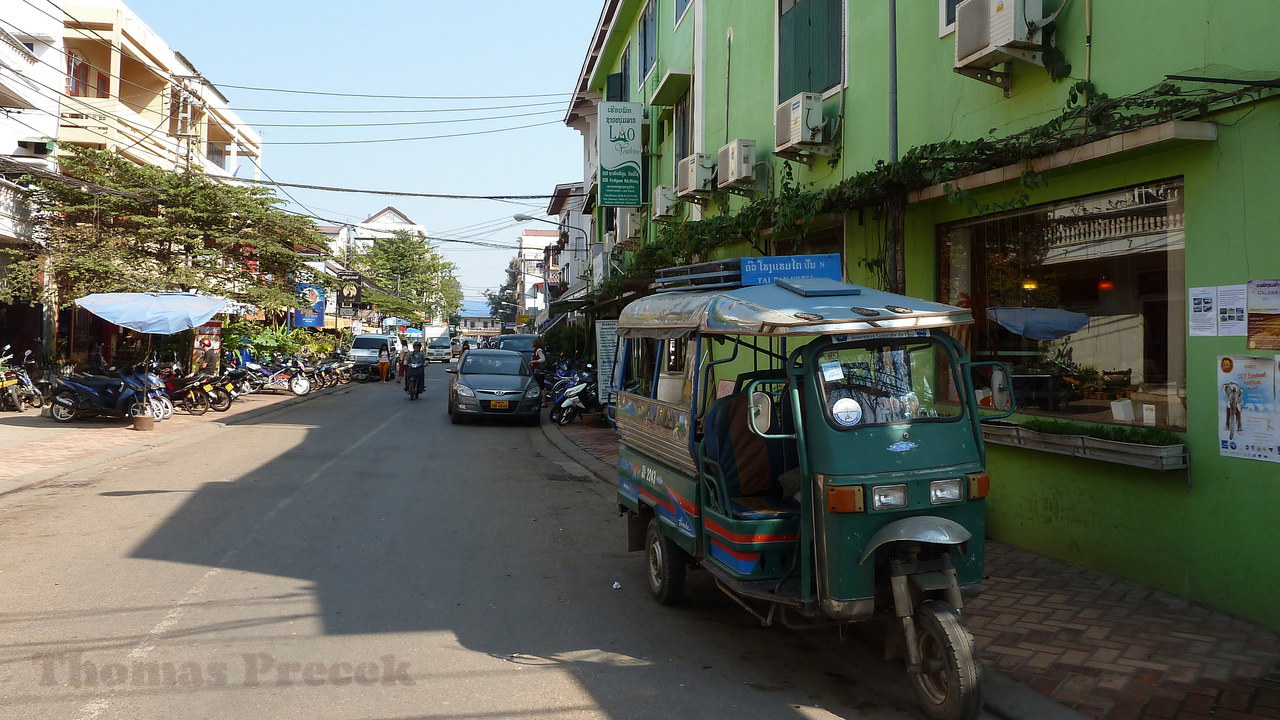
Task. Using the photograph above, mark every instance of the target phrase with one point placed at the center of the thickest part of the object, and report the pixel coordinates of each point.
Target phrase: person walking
(384, 362)
(537, 363)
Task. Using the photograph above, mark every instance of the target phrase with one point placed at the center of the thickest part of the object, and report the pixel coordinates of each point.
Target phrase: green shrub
(1116, 433)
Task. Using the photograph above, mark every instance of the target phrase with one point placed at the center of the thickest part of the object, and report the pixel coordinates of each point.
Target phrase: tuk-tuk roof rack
(711, 275)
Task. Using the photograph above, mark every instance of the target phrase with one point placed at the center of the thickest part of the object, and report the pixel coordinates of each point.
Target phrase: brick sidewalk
(1105, 647)
(33, 442)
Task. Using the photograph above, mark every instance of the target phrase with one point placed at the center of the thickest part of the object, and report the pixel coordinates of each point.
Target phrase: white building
(535, 270)
(346, 240)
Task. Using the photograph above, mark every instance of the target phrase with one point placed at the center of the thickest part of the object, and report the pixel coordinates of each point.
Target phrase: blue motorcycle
(126, 396)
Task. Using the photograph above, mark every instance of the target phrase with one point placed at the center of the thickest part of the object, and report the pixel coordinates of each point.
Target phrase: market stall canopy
(412, 331)
(1038, 323)
(798, 306)
(161, 313)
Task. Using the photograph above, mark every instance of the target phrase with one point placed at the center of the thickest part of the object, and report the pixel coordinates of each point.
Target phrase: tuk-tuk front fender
(921, 528)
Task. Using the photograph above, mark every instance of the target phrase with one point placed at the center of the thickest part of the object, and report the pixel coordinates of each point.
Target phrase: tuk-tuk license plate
(229, 387)
(207, 388)
(498, 404)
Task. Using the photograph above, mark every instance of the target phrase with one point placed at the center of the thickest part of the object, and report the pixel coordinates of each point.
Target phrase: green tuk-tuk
(815, 446)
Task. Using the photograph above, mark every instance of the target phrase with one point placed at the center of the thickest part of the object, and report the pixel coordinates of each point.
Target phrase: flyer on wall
(1264, 314)
(1248, 411)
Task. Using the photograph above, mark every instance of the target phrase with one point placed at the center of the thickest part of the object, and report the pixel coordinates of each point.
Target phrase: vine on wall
(1087, 116)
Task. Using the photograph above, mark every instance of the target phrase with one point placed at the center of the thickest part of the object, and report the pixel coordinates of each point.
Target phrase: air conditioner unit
(798, 123)
(695, 175)
(629, 224)
(664, 203)
(990, 32)
(610, 239)
(736, 164)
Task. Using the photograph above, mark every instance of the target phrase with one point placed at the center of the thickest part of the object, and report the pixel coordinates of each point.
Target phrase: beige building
(129, 92)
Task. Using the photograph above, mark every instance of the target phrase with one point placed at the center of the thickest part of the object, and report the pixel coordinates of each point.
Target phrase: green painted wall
(1205, 534)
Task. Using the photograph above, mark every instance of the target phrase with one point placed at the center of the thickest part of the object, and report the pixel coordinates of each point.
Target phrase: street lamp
(564, 226)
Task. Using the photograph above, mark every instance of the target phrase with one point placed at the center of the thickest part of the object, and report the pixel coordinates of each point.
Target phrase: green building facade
(1116, 160)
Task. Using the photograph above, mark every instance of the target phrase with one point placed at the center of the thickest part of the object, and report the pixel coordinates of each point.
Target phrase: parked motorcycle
(16, 387)
(126, 396)
(191, 393)
(286, 375)
(578, 399)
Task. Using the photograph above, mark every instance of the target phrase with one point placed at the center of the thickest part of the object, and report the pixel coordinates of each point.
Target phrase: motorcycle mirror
(6, 347)
(761, 412)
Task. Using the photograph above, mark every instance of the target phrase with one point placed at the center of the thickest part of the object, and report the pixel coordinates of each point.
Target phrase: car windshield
(368, 343)
(492, 365)
(516, 342)
(875, 384)
(439, 344)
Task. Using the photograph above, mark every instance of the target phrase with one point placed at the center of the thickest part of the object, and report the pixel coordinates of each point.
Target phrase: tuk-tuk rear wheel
(665, 565)
(949, 687)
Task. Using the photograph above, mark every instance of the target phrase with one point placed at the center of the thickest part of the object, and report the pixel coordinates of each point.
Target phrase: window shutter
(613, 87)
(793, 32)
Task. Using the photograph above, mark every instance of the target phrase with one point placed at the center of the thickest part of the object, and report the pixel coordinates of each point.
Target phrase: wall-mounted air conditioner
(695, 175)
(665, 205)
(736, 164)
(610, 239)
(990, 32)
(629, 224)
(798, 123)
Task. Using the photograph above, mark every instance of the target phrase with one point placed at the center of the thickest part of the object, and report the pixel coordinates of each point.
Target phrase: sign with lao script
(619, 146)
(764, 270)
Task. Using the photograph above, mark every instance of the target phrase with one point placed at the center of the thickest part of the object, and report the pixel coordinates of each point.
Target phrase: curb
(604, 472)
(54, 472)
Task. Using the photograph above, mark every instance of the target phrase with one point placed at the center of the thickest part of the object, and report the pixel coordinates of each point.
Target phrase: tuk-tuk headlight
(888, 497)
(945, 491)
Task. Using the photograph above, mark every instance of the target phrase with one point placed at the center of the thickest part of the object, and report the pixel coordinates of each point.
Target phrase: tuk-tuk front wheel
(665, 563)
(949, 686)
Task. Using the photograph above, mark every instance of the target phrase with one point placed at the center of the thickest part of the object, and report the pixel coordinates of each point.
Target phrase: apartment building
(1114, 161)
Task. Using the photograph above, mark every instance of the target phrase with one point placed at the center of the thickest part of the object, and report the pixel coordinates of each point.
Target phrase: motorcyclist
(411, 373)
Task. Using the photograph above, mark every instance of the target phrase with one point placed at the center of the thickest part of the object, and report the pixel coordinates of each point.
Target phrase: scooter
(413, 380)
(88, 395)
(577, 400)
(16, 386)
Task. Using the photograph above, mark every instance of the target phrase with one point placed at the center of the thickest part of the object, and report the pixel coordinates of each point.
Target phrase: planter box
(1154, 457)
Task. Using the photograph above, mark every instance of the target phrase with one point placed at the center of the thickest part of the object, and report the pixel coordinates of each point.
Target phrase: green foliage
(503, 302)
(264, 339)
(1116, 433)
(1087, 116)
(567, 342)
(421, 282)
(155, 230)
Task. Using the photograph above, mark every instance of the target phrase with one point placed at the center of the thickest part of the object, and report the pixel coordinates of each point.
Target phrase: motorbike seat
(748, 465)
(98, 381)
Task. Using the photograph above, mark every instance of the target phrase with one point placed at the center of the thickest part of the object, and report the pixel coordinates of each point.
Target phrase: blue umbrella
(412, 331)
(162, 313)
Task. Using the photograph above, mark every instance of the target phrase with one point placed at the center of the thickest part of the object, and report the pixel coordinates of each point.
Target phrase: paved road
(356, 556)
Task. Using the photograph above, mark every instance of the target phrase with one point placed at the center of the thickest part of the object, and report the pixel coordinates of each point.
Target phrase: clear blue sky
(401, 47)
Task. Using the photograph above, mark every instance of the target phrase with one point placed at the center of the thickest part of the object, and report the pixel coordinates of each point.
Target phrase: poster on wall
(1264, 314)
(606, 358)
(1232, 319)
(312, 316)
(1248, 411)
(1202, 316)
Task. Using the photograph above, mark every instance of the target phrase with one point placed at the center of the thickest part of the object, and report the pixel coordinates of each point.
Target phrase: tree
(416, 274)
(503, 303)
(135, 228)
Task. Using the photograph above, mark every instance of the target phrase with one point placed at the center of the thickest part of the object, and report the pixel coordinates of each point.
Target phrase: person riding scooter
(415, 364)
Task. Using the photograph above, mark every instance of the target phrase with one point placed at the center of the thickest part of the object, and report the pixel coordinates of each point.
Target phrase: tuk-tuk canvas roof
(809, 306)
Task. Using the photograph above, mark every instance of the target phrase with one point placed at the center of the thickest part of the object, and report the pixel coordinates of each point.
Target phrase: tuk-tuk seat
(746, 464)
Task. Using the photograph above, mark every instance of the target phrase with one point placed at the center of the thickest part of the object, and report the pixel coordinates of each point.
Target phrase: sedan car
(493, 384)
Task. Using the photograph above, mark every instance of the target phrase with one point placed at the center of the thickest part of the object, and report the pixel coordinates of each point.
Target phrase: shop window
(810, 46)
(1084, 298)
(946, 16)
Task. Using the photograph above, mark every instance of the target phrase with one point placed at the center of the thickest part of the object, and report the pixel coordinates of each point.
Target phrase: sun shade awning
(160, 313)
(801, 306)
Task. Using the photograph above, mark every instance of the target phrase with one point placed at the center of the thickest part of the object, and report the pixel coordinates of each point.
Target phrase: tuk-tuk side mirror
(993, 387)
(760, 412)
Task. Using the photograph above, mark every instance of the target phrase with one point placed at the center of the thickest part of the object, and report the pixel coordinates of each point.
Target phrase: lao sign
(618, 147)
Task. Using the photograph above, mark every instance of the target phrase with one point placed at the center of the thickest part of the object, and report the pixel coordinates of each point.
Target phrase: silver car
(493, 384)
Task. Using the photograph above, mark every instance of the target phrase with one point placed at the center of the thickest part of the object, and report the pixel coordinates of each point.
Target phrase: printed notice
(1248, 414)
(1202, 320)
(1264, 315)
(1232, 316)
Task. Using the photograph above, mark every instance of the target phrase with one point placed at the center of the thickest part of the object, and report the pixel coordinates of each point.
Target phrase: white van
(364, 351)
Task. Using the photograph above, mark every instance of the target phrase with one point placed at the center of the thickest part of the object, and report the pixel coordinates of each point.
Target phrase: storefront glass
(1115, 263)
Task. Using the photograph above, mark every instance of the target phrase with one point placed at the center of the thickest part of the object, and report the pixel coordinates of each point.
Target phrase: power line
(395, 97)
(395, 124)
(403, 193)
(409, 139)
(389, 112)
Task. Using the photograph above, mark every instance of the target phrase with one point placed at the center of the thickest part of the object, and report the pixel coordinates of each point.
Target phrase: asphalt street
(356, 556)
